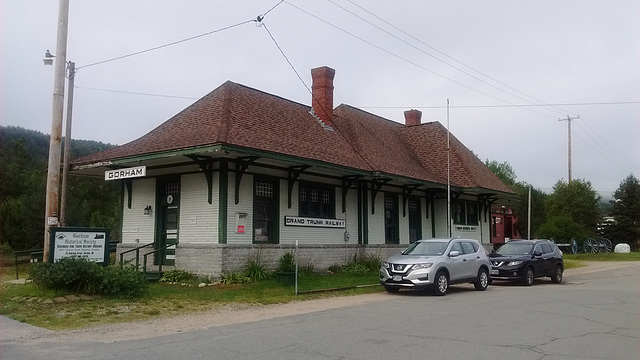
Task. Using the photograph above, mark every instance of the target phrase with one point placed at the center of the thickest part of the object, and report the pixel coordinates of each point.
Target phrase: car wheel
(557, 275)
(528, 276)
(483, 280)
(391, 290)
(441, 284)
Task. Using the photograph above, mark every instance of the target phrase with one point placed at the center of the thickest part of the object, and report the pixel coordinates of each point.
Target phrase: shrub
(286, 263)
(177, 275)
(234, 278)
(256, 270)
(306, 270)
(87, 277)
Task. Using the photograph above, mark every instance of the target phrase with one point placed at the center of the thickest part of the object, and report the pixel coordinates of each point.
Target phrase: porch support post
(223, 195)
(347, 183)
(407, 190)
(377, 185)
(292, 177)
(242, 164)
(206, 165)
(128, 183)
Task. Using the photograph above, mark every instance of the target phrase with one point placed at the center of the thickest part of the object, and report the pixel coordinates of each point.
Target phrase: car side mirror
(537, 253)
(454, 253)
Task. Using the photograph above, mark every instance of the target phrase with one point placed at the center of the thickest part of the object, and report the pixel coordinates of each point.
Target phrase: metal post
(67, 145)
(53, 171)
(529, 216)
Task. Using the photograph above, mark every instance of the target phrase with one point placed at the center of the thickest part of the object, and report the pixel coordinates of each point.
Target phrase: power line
(505, 106)
(167, 45)
(407, 60)
(136, 93)
(444, 54)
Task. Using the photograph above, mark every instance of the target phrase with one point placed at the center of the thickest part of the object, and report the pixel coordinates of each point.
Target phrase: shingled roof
(242, 117)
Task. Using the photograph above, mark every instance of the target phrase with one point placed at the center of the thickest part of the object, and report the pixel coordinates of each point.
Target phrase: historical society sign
(86, 243)
(313, 222)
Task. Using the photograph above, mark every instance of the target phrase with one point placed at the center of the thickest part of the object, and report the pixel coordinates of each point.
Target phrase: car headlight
(422, 266)
(385, 265)
(515, 263)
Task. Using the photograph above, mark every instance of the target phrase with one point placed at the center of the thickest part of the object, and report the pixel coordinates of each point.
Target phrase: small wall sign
(132, 172)
(314, 222)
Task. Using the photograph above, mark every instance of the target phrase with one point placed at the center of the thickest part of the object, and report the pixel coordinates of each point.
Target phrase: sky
(512, 71)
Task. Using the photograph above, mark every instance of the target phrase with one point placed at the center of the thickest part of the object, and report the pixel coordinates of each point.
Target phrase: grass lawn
(48, 309)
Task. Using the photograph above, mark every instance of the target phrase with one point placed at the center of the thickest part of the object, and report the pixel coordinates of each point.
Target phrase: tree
(571, 206)
(503, 170)
(520, 206)
(625, 209)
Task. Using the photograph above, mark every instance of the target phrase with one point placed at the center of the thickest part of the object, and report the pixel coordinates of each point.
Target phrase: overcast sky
(509, 69)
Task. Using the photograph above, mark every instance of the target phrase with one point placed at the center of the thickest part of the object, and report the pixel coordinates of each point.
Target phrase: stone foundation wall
(211, 260)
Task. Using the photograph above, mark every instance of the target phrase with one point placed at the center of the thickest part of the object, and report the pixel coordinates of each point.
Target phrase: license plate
(494, 272)
(397, 278)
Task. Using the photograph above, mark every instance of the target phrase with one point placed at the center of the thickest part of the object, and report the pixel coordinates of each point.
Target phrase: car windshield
(514, 249)
(430, 248)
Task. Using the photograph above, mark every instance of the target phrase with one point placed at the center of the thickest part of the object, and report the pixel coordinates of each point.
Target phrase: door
(169, 215)
(391, 231)
(415, 223)
(265, 211)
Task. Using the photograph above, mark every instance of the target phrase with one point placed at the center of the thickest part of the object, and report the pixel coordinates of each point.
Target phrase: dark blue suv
(526, 260)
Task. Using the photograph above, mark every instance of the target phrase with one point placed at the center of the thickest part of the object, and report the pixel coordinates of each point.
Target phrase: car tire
(556, 278)
(482, 282)
(527, 278)
(441, 284)
(391, 290)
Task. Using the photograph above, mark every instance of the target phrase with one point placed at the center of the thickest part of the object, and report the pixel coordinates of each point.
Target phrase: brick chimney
(412, 117)
(322, 91)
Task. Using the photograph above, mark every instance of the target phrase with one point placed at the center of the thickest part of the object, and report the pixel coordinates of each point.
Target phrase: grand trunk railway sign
(138, 171)
(313, 222)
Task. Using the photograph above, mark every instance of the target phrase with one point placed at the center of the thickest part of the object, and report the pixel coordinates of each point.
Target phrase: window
(316, 200)
(465, 212)
(468, 248)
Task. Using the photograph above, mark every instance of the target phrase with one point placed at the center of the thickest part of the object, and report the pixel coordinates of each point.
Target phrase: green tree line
(574, 210)
(91, 202)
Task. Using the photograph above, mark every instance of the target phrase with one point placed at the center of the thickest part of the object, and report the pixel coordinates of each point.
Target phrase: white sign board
(138, 171)
(80, 244)
(314, 222)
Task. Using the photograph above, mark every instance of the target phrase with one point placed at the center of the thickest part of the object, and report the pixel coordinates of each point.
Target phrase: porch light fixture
(48, 58)
(147, 210)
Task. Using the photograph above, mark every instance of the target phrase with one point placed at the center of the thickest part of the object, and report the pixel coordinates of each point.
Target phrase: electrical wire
(407, 60)
(167, 45)
(541, 103)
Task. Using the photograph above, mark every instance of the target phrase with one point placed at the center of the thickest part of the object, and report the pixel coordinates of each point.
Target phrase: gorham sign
(138, 171)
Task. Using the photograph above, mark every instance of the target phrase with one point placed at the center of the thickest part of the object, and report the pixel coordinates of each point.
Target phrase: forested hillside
(23, 177)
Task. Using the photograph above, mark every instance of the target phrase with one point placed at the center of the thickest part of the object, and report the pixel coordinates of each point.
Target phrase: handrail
(35, 254)
(137, 250)
(144, 263)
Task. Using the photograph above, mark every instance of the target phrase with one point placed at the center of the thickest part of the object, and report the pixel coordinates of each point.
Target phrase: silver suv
(436, 263)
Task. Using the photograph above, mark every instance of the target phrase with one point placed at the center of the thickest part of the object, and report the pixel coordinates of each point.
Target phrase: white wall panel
(136, 226)
(198, 218)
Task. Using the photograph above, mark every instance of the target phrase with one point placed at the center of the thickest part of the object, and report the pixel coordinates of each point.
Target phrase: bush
(179, 276)
(286, 263)
(234, 278)
(87, 277)
(256, 270)
(362, 265)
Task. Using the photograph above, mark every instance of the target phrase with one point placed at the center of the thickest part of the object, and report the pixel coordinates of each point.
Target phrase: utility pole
(568, 120)
(67, 145)
(53, 171)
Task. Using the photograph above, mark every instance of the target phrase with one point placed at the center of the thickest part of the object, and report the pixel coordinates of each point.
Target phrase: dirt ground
(235, 314)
